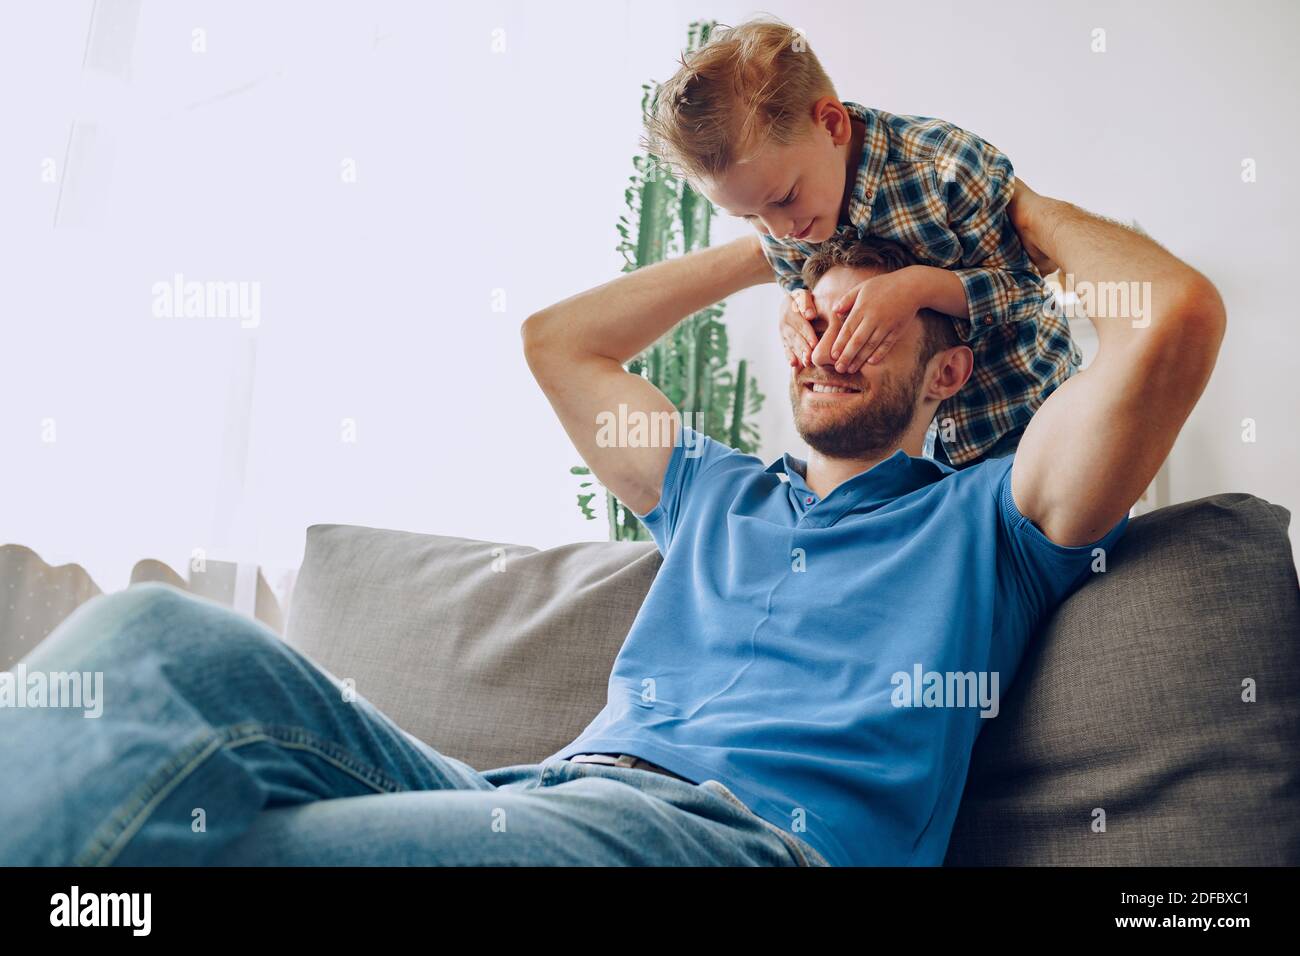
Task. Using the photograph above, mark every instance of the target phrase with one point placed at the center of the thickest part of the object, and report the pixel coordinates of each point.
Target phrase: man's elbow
(538, 354)
(1202, 316)
(1186, 346)
(1209, 304)
(535, 333)
(531, 330)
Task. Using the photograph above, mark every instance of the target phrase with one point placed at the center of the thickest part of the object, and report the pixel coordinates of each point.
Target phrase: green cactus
(689, 363)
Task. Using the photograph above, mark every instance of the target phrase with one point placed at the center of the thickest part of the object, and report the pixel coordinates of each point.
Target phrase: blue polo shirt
(830, 659)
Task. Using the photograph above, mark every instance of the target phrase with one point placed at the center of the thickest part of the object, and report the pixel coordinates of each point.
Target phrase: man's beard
(875, 422)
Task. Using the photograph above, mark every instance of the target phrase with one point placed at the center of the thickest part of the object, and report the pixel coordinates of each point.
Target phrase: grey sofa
(1128, 708)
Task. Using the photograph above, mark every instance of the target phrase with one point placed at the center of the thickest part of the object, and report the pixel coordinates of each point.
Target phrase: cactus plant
(690, 363)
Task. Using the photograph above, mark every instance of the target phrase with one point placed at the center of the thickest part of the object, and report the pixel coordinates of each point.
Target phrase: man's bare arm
(1097, 442)
(576, 350)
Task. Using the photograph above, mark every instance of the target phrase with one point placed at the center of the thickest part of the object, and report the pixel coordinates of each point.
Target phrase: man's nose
(821, 353)
(822, 356)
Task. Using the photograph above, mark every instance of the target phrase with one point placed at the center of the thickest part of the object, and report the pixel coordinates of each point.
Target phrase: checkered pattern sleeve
(787, 261)
(976, 181)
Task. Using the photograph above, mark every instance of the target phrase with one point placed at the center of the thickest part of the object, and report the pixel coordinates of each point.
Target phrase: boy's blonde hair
(750, 84)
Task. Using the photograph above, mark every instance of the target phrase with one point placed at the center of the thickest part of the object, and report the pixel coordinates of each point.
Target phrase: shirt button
(808, 500)
(988, 320)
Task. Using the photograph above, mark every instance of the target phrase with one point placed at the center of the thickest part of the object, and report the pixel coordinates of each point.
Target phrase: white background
(480, 171)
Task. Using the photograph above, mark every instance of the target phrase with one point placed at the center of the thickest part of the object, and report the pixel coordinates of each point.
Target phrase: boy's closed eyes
(795, 190)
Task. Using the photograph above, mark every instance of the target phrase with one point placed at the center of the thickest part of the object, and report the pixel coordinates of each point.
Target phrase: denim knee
(155, 611)
(159, 619)
(143, 595)
(96, 622)
(205, 631)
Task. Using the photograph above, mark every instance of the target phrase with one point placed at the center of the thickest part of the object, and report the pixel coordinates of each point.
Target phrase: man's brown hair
(748, 85)
(845, 249)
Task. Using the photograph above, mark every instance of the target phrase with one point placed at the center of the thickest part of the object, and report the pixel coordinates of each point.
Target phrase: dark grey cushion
(1131, 702)
(1130, 699)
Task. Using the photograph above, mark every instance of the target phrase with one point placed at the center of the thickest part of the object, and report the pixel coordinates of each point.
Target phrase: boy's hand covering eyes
(797, 335)
(875, 312)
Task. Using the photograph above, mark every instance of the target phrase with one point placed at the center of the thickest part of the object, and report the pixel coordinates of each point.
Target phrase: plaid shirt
(942, 193)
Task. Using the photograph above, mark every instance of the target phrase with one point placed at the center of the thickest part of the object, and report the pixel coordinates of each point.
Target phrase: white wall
(480, 171)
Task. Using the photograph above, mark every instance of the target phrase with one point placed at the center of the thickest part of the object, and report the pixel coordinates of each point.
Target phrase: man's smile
(830, 389)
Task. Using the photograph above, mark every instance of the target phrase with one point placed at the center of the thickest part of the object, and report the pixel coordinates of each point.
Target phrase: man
(784, 642)
(759, 712)
(938, 333)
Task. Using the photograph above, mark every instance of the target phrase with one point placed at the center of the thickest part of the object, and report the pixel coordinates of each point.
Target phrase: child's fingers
(845, 303)
(843, 326)
(802, 325)
(875, 357)
(799, 329)
(863, 350)
(794, 347)
(797, 304)
(865, 347)
(847, 326)
(804, 304)
(802, 332)
(792, 352)
(859, 342)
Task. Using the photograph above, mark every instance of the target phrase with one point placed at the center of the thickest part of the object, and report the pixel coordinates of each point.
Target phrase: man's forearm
(1101, 437)
(623, 317)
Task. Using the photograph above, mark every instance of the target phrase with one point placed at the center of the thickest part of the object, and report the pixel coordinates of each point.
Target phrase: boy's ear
(836, 121)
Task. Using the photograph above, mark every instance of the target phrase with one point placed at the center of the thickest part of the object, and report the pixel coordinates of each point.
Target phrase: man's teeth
(831, 388)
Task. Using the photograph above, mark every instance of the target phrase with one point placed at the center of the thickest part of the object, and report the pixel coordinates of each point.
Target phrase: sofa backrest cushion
(1129, 701)
(492, 653)
(1132, 707)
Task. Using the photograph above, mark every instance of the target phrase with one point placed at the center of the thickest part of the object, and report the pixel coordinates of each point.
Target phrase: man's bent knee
(149, 616)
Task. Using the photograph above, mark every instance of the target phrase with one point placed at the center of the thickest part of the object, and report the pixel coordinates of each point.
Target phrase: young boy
(754, 123)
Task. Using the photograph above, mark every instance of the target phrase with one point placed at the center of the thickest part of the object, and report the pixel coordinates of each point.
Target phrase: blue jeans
(220, 744)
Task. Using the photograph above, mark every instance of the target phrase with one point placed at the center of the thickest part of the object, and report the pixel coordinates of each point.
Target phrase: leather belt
(625, 760)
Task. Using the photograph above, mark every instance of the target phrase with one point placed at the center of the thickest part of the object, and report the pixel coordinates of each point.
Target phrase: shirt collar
(889, 478)
(871, 165)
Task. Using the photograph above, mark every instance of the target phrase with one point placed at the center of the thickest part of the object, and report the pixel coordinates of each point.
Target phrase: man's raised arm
(576, 350)
(1097, 442)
